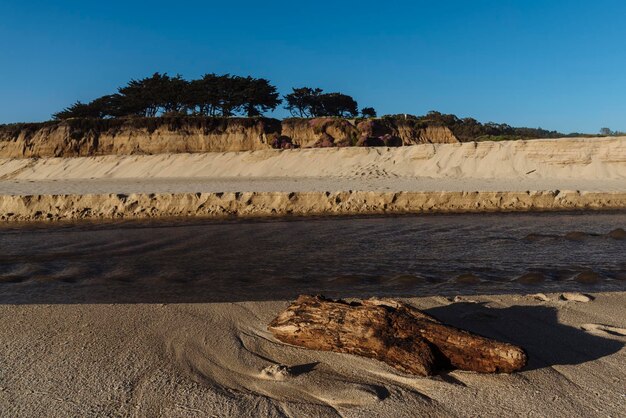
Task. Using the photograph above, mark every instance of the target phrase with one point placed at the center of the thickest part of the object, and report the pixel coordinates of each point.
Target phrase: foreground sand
(206, 359)
(562, 174)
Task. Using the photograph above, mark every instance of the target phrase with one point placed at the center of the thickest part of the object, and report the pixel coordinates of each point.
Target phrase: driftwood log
(393, 332)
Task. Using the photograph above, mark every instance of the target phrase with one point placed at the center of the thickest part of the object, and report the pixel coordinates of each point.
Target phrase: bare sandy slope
(537, 164)
(207, 359)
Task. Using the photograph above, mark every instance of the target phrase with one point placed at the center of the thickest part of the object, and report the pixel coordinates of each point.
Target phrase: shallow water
(207, 261)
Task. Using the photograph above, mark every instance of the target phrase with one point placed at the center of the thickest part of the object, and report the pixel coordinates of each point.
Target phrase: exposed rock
(371, 132)
(318, 132)
(371, 142)
(392, 140)
(429, 134)
(276, 372)
(576, 236)
(618, 233)
(468, 278)
(283, 142)
(463, 299)
(531, 278)
(587, 277)
(576, 297)
(541, 297)
(371, 128)
(325, 141)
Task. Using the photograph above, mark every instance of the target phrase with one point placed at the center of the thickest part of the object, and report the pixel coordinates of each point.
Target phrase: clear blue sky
(555, 64)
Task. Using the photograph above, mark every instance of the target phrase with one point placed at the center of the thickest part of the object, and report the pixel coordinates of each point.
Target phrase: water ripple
(202, 261)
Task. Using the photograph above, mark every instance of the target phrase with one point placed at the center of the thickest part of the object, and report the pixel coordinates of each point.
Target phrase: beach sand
(207, 359)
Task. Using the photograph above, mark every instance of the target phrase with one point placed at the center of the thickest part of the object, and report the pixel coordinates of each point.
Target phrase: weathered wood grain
(393, 332)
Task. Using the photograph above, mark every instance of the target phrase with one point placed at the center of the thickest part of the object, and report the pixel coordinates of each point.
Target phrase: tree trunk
(393, 332)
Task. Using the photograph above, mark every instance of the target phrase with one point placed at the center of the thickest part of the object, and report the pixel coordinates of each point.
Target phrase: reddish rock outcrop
(370, 132)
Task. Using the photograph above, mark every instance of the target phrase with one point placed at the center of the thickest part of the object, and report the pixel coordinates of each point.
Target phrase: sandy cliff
(78, 138)
(87, 138)
(326, 132)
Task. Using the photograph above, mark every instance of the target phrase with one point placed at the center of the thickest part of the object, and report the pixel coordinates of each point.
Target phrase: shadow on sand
(535, 328)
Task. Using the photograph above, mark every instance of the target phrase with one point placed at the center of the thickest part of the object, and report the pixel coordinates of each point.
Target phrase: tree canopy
(469, 129)
(313, 102)
(211, 95)
(303, 101)
(368, 112)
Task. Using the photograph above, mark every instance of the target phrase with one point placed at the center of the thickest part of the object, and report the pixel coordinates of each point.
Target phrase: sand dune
(583, 158)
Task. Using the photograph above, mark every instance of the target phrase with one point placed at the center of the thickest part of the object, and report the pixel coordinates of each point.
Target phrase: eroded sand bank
(206, 359)
(564, 174)
(261, 204)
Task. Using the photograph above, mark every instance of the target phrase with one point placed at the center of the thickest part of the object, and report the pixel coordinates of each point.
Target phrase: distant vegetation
(308, 102)
(469, 129)
(609, 132)
(162, 99)
(212, 95)
(368, 112)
